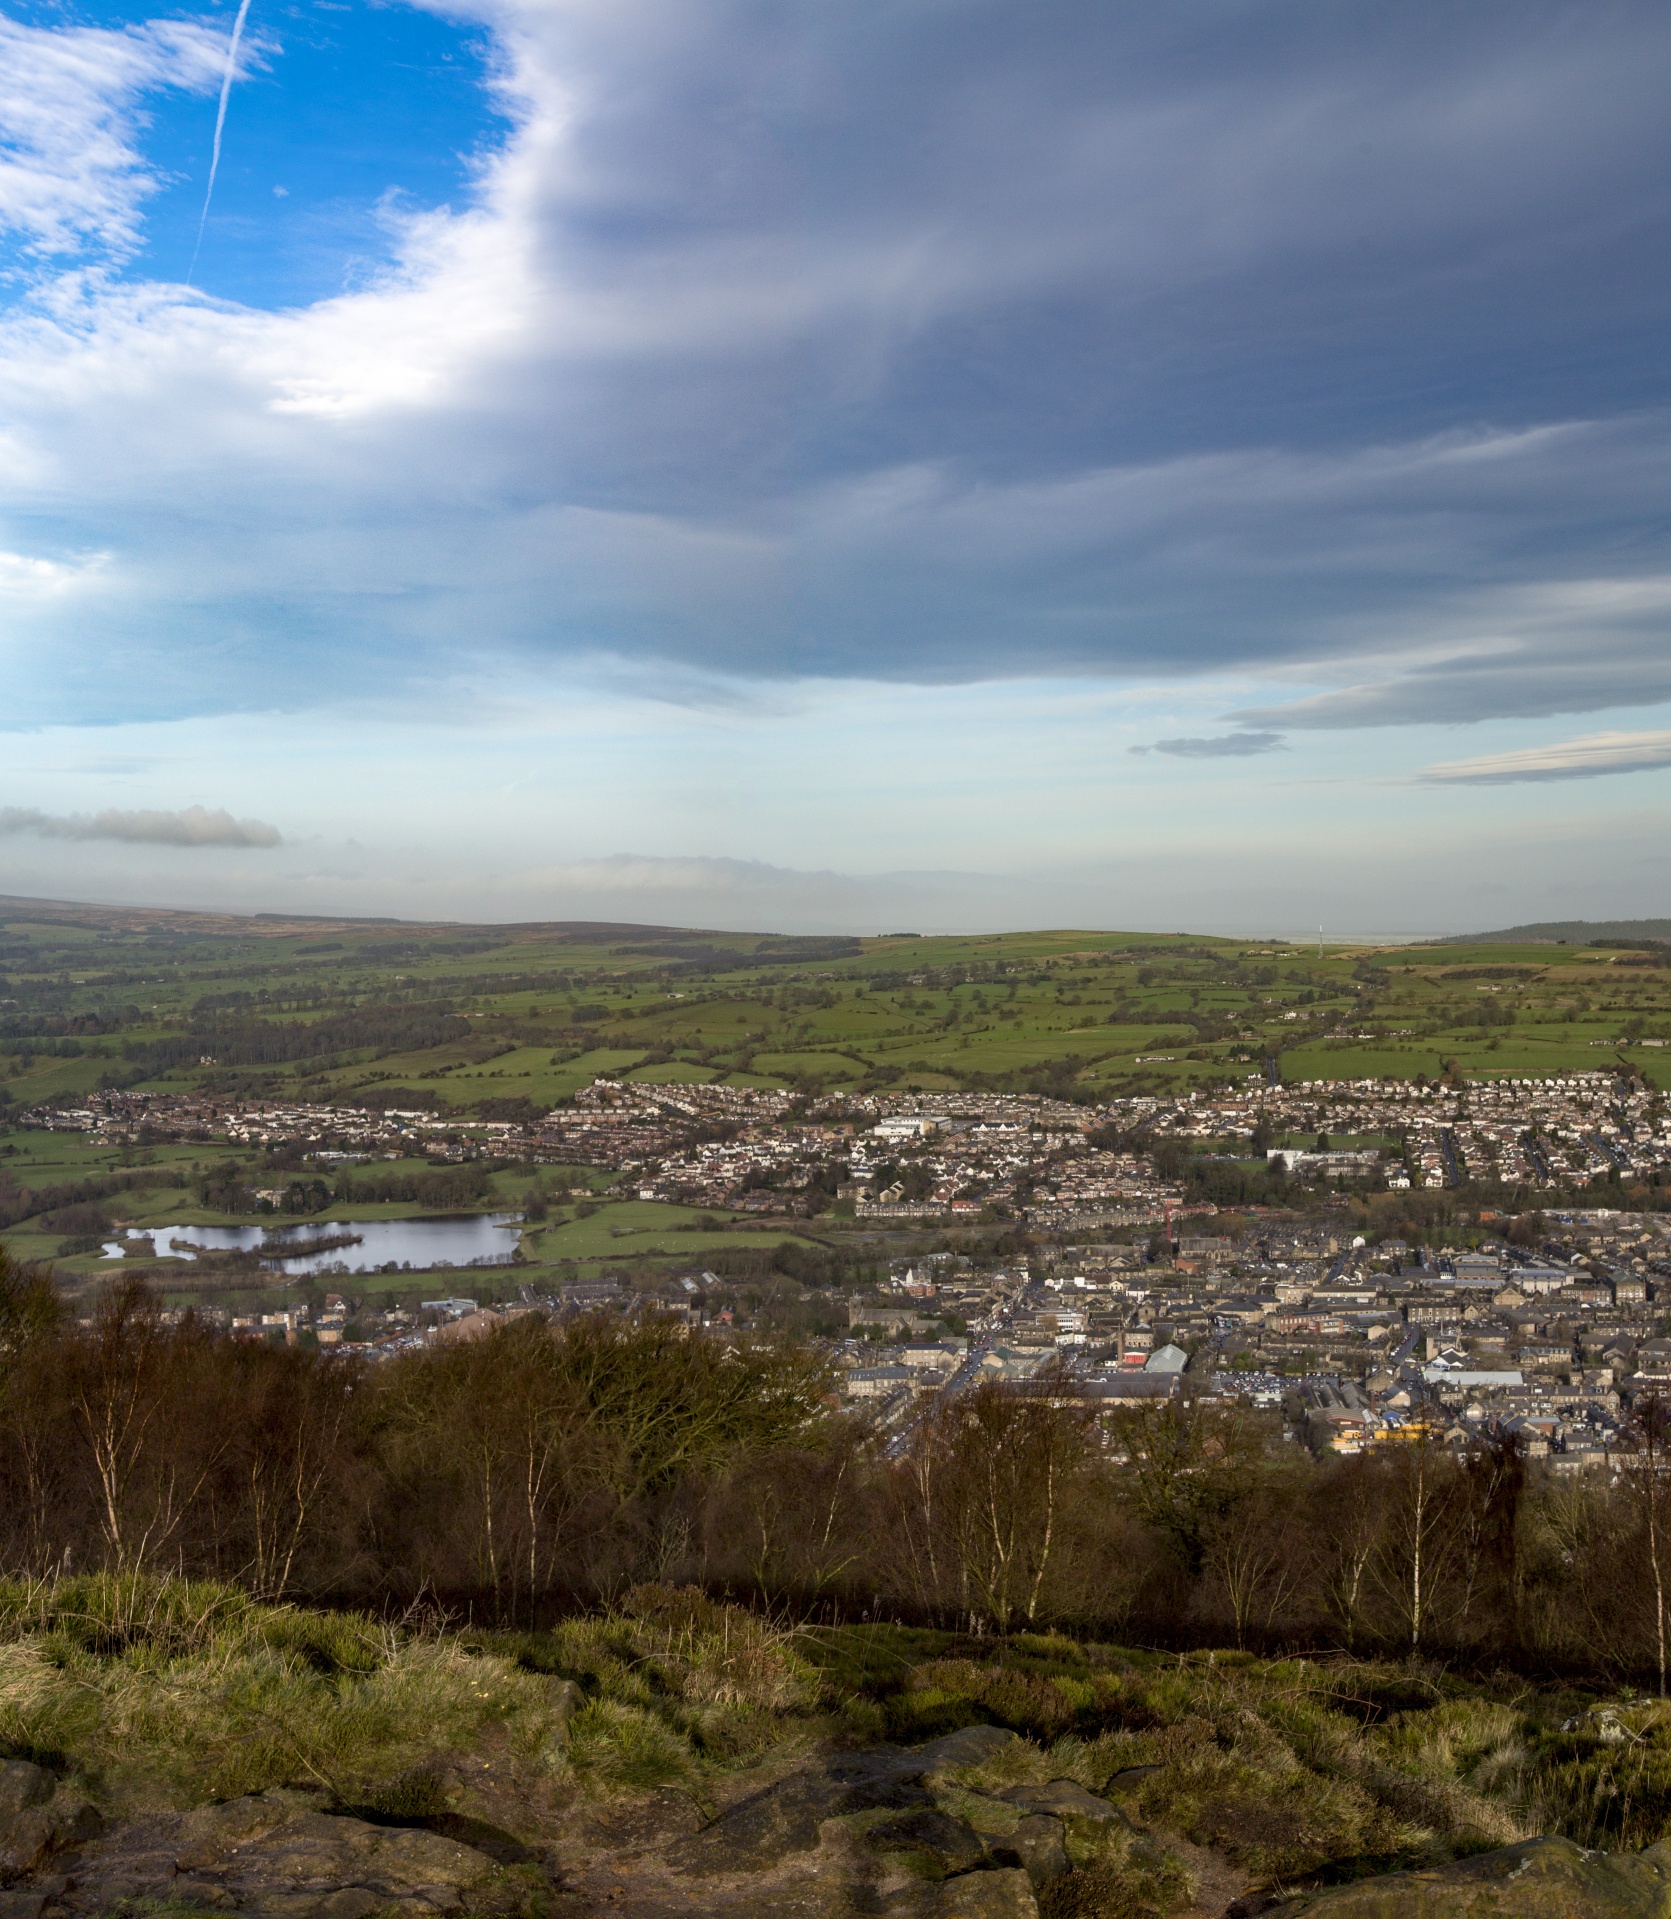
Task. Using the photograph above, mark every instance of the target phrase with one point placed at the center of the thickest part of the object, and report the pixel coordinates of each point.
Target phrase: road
(983, 1336)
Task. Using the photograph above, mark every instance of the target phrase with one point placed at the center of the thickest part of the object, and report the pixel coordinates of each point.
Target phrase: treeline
(226, 1186)
(446, 1188)
(546, 1467)
(375, 1029)
(19, 1202)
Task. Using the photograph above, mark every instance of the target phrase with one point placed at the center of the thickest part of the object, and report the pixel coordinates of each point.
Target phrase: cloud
(1581, 759)
(190, 826)
(73, 177)
(1509, 651)
(1227, 746)
(767, 347)
(25, 576)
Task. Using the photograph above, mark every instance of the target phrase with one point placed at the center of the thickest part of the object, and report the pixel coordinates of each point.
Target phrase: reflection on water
(484, 1239)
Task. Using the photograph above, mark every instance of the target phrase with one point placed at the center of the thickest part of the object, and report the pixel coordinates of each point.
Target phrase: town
(1072, 1249)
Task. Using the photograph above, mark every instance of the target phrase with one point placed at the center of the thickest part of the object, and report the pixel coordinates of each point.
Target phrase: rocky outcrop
(38, 1818)
(899, 1831)
(891, 1832)
(1537, 1879)
(789, 1816)
(277, 1855)
(896, 1832)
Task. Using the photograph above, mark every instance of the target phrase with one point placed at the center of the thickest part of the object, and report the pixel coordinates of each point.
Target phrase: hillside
(180, 1748)
(1570, 932)
(501, 1020)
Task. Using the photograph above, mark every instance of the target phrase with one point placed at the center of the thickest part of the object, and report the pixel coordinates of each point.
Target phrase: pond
(339, 1246)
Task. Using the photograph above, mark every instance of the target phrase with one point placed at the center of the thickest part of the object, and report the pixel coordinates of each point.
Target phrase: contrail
(220, 128)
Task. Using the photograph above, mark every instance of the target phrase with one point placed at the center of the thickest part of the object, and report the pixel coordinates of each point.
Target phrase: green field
(506, 1022)
(476, 1018)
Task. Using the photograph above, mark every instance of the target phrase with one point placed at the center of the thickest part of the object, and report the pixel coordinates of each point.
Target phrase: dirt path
(1218, 1884)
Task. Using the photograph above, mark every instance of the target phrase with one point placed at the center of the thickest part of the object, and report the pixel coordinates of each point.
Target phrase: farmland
(496, 1019)
(484, 1027)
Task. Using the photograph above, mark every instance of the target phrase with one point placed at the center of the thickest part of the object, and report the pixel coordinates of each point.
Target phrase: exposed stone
(25, 1842)
(658, 1820)
(276, 1855)
(783, 1819)
(952, 1845)
(968, 1746)
(1005, 1894)
(787, 1817)
(1066, 1799)
(206, 1833)
(1038, 1845)
(1537, 1879)
(563, 1700)
(200, 1892)
(1130, 1776)
(22, 1786)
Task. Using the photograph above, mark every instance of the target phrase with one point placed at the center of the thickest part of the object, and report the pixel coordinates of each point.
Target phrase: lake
(420, 1245)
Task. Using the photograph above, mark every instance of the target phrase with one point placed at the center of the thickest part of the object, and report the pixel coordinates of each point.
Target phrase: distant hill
(1572, 932)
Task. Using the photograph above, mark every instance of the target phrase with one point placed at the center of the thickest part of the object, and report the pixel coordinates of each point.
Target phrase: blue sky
(939, 463)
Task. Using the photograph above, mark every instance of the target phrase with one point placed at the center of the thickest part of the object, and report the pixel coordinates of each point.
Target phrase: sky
(926, 466)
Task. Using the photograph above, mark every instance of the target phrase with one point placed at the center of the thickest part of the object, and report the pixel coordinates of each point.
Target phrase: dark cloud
(1227, 746)
(933, 342)
(190, 826)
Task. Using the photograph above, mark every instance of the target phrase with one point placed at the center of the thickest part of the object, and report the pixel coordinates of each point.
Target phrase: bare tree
(1650, 1434)
(1003, 1468)
(130, 1379)
(1419, 1543)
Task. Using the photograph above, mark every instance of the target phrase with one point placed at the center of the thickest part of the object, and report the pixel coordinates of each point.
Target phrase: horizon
(19, 908)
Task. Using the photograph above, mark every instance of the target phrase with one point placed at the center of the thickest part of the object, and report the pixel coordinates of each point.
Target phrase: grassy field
(474, 1017)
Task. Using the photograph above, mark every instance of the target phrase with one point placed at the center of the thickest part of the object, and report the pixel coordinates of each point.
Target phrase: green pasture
(633, 1230)
(669, 1006)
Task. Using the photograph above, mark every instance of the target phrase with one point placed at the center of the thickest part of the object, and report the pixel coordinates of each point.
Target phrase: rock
(563, 1700)
(658, 1820)
(25, 1842)
(1066, 1799)
(1129, 1776)
(276, 1855)
(951, 1844)
(21, 1905)
(75, 1821)
(1005, 1894)
(785, 1818)
(354, 1903)
(1038, 1845)
(1537, 1879)
(325, 1855)
(968, 1746)
(1085, 1823)
(32, 1827)
(22, 1786)
(208, 1832)
(199, 1892)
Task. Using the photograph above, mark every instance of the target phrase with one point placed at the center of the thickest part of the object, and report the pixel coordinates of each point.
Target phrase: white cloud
(28, 576)
(190, 826)
(72, 173)
(1586, 758)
